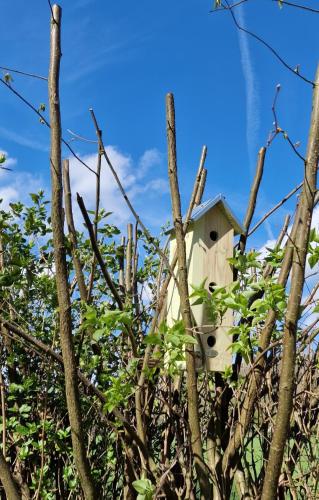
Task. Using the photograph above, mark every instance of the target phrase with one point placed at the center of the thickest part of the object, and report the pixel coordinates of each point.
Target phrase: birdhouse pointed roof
(204, 207)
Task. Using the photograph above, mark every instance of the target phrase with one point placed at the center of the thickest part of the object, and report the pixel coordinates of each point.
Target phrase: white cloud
(84, 182)
(132, 177)
(8, 195)
(155, 185)
(151, 158)
(17, 187)
(136, 178)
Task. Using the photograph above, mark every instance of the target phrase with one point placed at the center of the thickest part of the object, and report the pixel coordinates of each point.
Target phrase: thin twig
(268, 214)
(222, 7)
(97, 253)
(80, 137)
(52, 15)
(24, 73)
(95, 222)
(72, 231)
(45, 121)
(278, 130)
(297, 6)
(269, 47)
(146, 232)
(85, 381)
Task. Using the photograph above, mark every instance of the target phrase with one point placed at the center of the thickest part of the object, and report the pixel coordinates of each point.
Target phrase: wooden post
(70, 369)
(191, 380)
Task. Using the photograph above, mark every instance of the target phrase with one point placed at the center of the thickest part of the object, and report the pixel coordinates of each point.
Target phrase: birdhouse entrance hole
(211, 341)
(213, 235)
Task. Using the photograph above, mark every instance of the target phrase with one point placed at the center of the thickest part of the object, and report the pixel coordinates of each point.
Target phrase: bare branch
(298, 6)
(61, 274)
(97, 253)
(279, 204)
(24, 73)
(191, 380)
(269, 47)
(44, 121)
(72, 232)
(287, 378)
(126, 198)
(80, 137)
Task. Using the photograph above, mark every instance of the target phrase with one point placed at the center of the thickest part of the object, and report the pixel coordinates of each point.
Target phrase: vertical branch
(255, 378)
(191, 380)
(3, 415)
(134, 273)
(98, 188)
(70, 370)
(162, 295)
(72, 232)
(128, 269)
(253, 198)
(287, 376)
(201, 187)
(146, 232)
(121, 266)
(95, 222)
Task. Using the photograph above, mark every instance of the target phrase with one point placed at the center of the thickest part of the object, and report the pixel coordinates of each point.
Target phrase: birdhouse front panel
(209, 243)
(214, 237)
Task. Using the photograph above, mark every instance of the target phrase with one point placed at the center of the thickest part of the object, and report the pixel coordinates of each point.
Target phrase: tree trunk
(287, 376)
(70, 369)
(191, 379)
(7, 480)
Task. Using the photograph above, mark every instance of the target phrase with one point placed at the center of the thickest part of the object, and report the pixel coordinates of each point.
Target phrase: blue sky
(121, 58)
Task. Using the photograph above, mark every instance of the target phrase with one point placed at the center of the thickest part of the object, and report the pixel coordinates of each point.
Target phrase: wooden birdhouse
(209, 243)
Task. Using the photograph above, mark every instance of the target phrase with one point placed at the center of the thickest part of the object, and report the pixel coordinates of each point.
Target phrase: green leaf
(188, 339)
(257, 304)
(312, 260)
(143, 486)
(98, 334)
(22, 430)
(230, 302)
(25, 409)
(197, 302)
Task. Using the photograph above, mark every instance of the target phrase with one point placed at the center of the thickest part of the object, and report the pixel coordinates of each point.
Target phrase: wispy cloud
(22, 140)
(91, 62)
(252, 97)
(151, 158)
